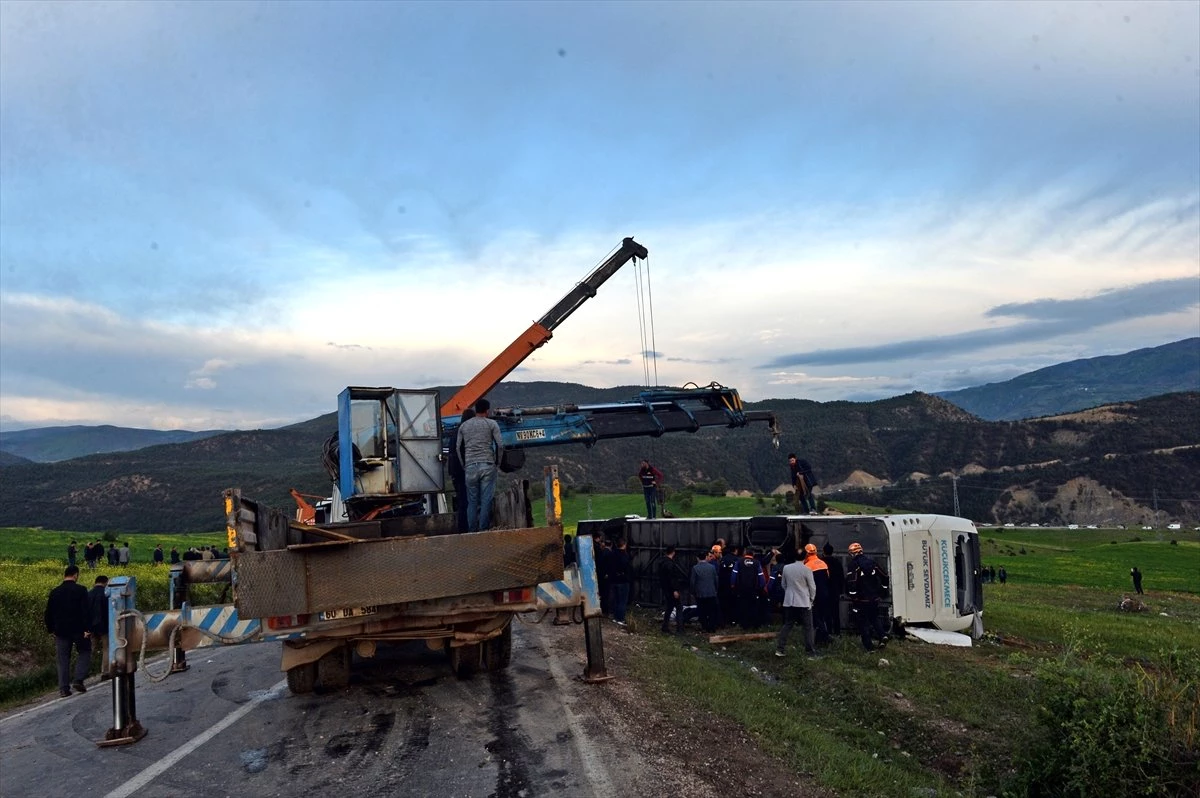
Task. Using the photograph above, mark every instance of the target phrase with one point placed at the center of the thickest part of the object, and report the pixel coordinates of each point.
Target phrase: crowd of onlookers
(95, 554)
(730, 586)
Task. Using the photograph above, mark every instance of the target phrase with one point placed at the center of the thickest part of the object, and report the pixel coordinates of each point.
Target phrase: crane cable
(645, 305)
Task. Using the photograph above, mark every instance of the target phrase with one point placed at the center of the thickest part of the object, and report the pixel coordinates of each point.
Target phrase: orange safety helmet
(855, 548)
(810, 549)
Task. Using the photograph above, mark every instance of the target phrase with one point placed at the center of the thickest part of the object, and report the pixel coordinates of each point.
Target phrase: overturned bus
(932, 561)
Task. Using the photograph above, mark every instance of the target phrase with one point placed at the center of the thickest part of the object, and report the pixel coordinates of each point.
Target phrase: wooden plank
(716, 639)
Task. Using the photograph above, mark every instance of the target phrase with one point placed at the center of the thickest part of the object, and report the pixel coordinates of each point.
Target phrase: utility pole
(954, 480)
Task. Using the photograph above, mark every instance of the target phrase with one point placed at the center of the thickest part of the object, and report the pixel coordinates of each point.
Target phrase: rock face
(1079, 501)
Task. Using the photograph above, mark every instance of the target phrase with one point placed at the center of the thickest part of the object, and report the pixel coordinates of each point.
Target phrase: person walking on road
(799, 592)
(68, 619)
(98, 622)
(651, 479)
(480, 448)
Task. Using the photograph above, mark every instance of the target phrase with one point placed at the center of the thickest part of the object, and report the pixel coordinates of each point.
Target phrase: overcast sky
(217, 215)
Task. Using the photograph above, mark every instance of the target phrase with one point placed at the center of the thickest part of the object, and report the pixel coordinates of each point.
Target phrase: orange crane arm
(541, 330)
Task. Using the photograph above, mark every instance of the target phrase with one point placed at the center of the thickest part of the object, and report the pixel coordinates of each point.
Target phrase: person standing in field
(1003, 575)
(123, 554)
(158, 555)
(704, 588)
(72, 552)
(68, 619)
(799, 592)
(866, 585)
(1137, 579)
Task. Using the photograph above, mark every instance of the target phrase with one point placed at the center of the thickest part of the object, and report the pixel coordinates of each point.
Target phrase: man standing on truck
(480, 448)
(651, 479)
(458, 475)
(865, 586)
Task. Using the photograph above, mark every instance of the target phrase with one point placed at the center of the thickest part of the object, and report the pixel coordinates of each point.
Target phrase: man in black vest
(67, 618)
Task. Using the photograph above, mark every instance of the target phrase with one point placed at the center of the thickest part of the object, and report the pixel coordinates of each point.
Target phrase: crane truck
(380, 562)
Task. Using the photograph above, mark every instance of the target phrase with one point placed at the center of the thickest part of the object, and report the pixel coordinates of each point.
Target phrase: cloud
(1046, 318)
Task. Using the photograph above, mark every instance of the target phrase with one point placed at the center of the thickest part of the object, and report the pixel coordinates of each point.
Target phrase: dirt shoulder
(685, 751)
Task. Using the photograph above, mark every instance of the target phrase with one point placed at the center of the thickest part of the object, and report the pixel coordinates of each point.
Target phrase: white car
(1173, 526)
(1072, 526)
(1147, 527)
(1009, 526)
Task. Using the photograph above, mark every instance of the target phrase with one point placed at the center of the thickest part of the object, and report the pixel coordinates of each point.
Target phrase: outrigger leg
(126, 728)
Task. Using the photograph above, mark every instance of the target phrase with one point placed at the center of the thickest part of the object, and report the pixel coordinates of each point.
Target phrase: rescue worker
(866, 584)
(747, 583)
(820, 610)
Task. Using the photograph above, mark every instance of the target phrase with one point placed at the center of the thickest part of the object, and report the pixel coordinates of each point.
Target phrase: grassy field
(22, 544)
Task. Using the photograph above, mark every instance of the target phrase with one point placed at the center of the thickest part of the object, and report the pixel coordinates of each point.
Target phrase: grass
(26, 544)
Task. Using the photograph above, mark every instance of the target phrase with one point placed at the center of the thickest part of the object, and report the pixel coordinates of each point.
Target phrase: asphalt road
(405, 726)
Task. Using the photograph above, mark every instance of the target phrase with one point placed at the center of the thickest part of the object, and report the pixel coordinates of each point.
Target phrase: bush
(1101, 729)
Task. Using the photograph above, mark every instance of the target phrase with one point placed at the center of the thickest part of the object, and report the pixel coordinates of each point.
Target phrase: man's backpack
(747, 578)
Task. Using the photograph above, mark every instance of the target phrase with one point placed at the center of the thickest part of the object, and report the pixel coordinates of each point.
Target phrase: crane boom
(541, 330)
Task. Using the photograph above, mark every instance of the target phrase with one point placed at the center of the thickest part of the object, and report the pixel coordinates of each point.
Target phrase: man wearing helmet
(866, 584)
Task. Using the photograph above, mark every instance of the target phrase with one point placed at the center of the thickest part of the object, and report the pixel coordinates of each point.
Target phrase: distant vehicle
(1147, 527)
(1035, 525)
(1092, 526)
(1174, 526)
(1009, 526)
(1072, 526)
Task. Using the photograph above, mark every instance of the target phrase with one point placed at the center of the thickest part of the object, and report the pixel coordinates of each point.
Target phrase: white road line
(593, 766)
(53, 704)
(158, 768)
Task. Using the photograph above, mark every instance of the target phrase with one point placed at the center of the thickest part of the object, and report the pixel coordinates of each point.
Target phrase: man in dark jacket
(670, 581)
(620, 571)
(748, 583)
(98, 621)
(67, 619)
(866, 584)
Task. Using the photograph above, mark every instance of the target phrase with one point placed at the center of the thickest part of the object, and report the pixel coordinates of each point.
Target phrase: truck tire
(497, 652)
(464, 660)
(333, 669)
(302, 678)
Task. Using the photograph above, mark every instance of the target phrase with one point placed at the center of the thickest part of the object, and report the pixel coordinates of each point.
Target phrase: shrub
(1100, 729)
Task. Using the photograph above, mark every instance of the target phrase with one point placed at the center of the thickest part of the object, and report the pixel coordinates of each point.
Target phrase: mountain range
(1080, 384)
(1127, 462)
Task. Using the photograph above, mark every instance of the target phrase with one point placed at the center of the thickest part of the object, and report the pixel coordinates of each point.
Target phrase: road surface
(405, 726)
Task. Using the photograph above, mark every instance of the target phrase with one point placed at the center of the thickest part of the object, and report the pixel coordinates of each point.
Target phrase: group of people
(94, 553)
(990, 574)
(78, 619)
(735, 585)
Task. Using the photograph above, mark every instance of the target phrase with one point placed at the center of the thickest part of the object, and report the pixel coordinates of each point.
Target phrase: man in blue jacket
(866, 584)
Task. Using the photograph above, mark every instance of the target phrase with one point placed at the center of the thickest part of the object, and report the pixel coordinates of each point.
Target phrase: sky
(218, 215)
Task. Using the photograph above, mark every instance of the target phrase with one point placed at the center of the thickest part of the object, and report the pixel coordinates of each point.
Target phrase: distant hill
(54, 444)
(7, 459)
(1116, 463)
(1080, 384)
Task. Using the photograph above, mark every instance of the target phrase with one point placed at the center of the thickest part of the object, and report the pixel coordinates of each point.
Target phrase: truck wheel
(302, 678)
(497, 652)
(333, 669)
(464, 660)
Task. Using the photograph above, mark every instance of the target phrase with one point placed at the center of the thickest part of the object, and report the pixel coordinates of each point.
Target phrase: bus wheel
(333, 669)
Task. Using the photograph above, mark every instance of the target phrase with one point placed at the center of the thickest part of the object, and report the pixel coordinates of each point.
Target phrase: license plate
(531, 434)
(347, 612)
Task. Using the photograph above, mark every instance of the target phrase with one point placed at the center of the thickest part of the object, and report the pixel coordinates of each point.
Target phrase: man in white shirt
(799, 592)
